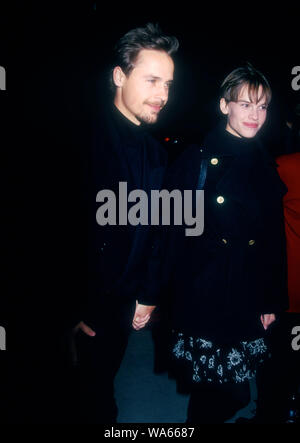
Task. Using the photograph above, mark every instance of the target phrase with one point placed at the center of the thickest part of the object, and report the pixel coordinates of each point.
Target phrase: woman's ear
(224, 106)
(118, 77)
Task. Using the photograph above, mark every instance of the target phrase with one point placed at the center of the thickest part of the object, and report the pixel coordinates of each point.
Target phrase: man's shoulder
(103, 122)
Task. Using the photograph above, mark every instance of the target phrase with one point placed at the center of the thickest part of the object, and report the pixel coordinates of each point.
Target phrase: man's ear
(224, 106)
(118, 77)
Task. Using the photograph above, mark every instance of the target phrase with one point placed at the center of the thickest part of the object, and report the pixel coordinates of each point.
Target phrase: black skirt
(197, 360)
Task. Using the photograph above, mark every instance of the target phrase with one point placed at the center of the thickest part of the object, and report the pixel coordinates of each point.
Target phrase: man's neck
(125, 112)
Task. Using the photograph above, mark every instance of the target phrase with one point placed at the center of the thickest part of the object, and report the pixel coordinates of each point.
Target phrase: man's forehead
(152, 56)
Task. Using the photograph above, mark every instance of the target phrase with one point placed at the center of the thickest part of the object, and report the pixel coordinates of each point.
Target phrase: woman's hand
(267, 320)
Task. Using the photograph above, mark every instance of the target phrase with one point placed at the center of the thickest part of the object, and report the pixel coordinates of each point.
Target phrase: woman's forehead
(252, 93)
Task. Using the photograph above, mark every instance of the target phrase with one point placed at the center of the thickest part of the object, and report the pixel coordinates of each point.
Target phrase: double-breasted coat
(220, 282)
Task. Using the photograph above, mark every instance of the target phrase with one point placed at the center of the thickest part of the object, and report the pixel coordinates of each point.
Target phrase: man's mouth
(155, 107)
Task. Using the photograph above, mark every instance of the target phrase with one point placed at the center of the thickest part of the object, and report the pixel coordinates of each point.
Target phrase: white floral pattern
(179, 348)
(234, 358)
(210, 363)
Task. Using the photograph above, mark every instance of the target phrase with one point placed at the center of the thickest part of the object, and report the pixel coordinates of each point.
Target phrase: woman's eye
(244, 105)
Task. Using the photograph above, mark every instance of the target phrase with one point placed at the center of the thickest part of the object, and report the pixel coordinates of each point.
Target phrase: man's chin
(148, 119)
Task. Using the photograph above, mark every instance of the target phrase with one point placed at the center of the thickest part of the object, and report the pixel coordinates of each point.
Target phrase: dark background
(57, 56)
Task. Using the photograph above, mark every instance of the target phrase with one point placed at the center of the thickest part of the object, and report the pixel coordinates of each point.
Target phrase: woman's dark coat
(220, 282)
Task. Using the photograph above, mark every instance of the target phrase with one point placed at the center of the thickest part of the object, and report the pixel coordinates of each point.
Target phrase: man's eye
(244, 105)
(151, 80)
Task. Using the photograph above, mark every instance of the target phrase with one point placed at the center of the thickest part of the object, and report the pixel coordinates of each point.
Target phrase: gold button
(214, 161)
(224, 241)
(220, 199)
(251, 242)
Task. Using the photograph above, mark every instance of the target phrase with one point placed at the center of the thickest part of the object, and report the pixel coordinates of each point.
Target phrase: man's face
(244, 117)
(144, 91)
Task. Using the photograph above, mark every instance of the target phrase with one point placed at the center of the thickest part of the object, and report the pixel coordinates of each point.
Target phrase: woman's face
(244, 117)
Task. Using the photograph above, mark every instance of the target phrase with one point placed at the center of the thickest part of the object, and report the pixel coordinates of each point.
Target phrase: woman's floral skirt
(198, 360)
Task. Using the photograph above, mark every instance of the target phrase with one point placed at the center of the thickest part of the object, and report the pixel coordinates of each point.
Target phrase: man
(122, 257)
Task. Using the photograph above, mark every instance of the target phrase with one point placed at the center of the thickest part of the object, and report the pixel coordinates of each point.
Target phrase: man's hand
(141, 316)
(85, 328)
(267, 320)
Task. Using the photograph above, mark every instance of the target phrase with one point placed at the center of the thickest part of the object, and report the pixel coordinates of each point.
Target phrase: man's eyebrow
(155, 77)
(152, 76)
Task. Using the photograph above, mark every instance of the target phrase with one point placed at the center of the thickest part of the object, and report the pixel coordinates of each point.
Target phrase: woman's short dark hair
(245, 75)
(128, 47)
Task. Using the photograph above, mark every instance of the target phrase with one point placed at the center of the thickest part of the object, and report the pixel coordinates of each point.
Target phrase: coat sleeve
(151, 287)
(166, 240)
(151, 282)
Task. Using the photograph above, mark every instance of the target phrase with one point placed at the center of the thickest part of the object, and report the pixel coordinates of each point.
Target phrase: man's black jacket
(122, 260)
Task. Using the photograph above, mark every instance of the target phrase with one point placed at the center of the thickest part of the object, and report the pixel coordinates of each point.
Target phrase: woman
(228, 285)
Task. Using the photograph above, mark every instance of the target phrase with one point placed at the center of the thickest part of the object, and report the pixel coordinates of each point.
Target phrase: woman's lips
(251, 125)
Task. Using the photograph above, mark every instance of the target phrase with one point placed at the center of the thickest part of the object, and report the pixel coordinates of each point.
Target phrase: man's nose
(162, 93)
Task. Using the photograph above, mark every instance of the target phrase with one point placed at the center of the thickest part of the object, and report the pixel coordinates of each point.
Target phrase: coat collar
(119, 144)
